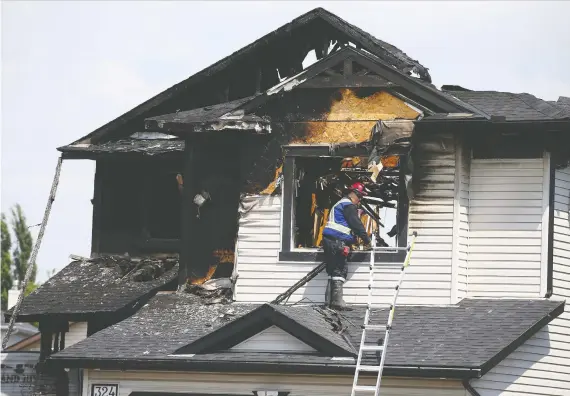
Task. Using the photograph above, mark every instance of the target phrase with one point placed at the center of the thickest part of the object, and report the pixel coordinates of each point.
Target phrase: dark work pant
(334, 258)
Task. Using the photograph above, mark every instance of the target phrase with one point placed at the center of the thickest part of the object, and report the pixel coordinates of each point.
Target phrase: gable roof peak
(308, 36)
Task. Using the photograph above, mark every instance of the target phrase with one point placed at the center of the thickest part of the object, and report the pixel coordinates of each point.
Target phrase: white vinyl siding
(261, 277)
(541, 366)
(508, 222)
(245, 384)
(273, 339)
(77, 332)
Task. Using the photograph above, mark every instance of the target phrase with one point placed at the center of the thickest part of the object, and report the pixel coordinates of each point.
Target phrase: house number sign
(105, 390)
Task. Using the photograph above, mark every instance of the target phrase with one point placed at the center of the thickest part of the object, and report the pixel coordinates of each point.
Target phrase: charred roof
(254, 68)
(104, 284)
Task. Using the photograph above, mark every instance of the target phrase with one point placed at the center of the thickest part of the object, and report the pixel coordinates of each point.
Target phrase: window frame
(287, 252)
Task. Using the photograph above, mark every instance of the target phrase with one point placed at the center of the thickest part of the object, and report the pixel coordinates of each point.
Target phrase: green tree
(23, 249)
(6, 261)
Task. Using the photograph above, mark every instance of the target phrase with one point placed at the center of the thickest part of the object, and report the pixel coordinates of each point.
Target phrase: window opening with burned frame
(316, 183)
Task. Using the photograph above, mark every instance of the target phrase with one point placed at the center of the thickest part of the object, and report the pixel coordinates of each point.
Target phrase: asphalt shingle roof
(512, 106)
(466, 335)
(87, 287)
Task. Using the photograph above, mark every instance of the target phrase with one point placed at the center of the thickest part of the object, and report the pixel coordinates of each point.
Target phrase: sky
(70, 67)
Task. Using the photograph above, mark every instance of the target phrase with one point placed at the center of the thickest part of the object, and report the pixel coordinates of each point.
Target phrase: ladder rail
(365, 327)
(366, 316)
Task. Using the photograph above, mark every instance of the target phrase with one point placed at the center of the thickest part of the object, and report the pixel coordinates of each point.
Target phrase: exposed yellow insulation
(351, 118)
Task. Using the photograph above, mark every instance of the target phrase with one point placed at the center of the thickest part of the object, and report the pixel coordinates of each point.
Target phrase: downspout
(469, 388)
(550, 254)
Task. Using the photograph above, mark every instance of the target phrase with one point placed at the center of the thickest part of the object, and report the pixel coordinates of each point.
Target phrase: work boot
(328, 293)
(337, 302)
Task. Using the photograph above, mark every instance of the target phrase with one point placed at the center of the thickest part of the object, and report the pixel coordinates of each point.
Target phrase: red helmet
(358, 188)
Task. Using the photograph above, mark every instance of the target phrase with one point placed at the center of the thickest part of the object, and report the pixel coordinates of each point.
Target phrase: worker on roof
(340, 232)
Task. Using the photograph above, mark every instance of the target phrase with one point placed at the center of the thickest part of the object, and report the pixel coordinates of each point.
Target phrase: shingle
(313, 319)
(512, 106)
(89, 287)
(467, 334)
(203, 114)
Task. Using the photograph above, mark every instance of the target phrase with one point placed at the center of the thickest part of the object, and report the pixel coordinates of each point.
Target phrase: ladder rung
(369, 368)
(360, 388)
(375, 327)
(372, 347)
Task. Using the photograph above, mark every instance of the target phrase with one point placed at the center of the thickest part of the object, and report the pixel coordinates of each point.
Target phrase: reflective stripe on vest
(332, 224)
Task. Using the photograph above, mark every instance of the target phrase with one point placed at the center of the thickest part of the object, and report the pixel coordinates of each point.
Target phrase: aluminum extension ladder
(366, 326)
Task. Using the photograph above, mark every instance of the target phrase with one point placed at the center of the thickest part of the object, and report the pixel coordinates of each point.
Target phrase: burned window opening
(317, 183)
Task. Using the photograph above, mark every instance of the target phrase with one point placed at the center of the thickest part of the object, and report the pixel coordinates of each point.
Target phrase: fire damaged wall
(137, 206)
(311, 116)
(303, 116)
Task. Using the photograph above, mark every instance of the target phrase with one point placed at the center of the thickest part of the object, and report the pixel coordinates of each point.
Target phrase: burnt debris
(99, 285)
(149, 147)
(135, 269)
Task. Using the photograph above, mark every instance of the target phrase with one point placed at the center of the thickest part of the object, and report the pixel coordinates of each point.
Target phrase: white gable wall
(261, 277)
(273, 339)
(541, 366)
(508, 225)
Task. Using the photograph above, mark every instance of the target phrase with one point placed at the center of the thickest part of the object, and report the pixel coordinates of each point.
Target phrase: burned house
(211, 197)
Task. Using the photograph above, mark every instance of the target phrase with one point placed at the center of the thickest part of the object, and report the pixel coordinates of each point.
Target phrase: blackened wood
(96, 205)
(325, 45)
(331, 72)
(315, 22)
(56, 341)
(258, 79)
(45, 342)
(287, 197)
(347, 67)
(224, 94)
(188, 212)
(62, 341)
(403, 207)
(346, 82)
(325, 150)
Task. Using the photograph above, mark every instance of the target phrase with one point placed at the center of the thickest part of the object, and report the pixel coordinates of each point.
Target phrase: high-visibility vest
(337, 227)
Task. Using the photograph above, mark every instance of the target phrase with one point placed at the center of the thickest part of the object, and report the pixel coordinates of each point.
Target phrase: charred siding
(431, 214)
(541, 366)
(428, 280)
